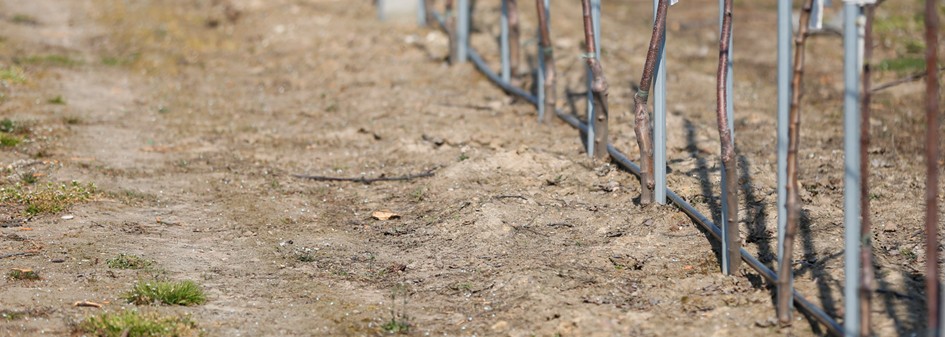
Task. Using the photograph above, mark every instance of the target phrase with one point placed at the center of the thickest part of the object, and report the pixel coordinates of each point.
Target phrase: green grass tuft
(8, 140)
(7, 125)
(58, 100)
(134, 323)
(46, 198)
(172, 293)
(903, 64)
(129, 261)
(24, 19)
(29, 178)
(395, 326)
(13, 75)
(22, 275)
(49, 60)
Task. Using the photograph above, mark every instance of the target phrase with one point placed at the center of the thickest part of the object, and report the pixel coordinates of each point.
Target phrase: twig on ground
(904, 80)
(28, 253)
(366, 180)
(511, 196)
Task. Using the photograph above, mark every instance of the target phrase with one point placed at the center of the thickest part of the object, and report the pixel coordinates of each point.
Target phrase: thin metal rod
(659, 121)
(422, 12)
(851, 189)
(539, 87)
(546, 63)
(484, 69)
(462, 30)
(380, 10)
(784, 102)
(504, 42)
(591, 134)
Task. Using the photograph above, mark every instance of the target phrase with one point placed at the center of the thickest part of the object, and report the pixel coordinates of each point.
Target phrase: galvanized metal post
(380, 10)
(421, 12)
(730, 113)
(785, 31)
(659, 121)
(462, 31)
(541, 67)
(851, 185)
(595, 17)
(504, 42)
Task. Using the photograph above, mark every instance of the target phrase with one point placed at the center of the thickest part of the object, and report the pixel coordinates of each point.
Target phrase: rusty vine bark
(548, 53)
(867, 274)
(932, 156)
(451, 30)
(727, 143)
(428, 11)
(599, 87)
(514, 37)
(784, 292)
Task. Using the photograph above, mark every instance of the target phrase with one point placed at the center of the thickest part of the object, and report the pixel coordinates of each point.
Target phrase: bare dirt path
(191, 117)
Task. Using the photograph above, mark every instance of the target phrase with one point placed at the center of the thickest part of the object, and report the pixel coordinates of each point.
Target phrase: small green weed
(12, 75)
(902, 64)
(23, 275)
(305, 257)
(7, 125)
(116, 61)
(418, 194)
(463, 156)
(463, 286)
(8, 140)
(908, 253)
(49, 60)
(72, 120)
(58, 100)
(134, 323)
(24, 19)
(12, 315)
(399, 322)
(129, 261)
(29, 178)
(395, 326)
(172, 293)
(47, 198)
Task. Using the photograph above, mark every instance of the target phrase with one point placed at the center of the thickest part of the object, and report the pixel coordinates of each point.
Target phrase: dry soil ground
(190, 117)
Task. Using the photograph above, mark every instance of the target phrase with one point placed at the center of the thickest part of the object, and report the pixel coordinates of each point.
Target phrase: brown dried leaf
(87, 304)
(385, 214)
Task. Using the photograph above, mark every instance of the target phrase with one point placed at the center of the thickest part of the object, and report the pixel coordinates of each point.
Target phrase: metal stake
(421, 12)
(851, 185)
(462, 31)
(659, 121)
(504, 42)
(730, 113)
(784, 104)
(595, 16)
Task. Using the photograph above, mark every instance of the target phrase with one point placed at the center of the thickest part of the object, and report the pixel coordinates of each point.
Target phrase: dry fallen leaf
(87, 304)
(385, 214)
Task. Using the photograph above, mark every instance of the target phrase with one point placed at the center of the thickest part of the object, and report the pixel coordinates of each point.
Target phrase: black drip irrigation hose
(484, 69)
(802, 303)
